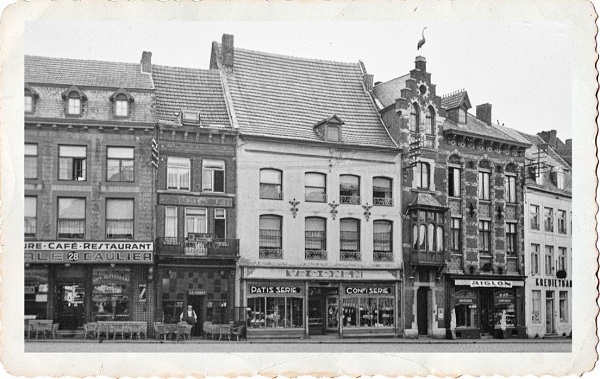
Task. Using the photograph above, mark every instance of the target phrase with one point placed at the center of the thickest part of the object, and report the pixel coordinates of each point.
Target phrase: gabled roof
(85, 73)
(477, 128)
(180, 88)
(511, 133)
(455, 99)
(554, 159)
(282, 96)
(388, 92)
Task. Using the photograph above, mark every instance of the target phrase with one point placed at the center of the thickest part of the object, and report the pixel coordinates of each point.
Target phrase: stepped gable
(192, 89)
(85, 73)
(282, 96)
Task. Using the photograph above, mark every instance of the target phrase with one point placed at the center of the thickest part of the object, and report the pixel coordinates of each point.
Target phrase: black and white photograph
(279, 188)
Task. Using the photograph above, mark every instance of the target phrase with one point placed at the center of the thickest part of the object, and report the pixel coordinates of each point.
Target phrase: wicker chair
(184, 330)
(119, 328)
(90, 328)
(54, 330)
(207, 328)
(161, 330)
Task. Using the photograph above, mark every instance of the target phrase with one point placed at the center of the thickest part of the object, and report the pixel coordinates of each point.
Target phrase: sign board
(41, 256)
(274, 289)
(488, 283)
(142, 296)
(88, 246)
(196, 292)
(556, 283)
(368, 291)
(318, 274)
(197, 201)
(41, 298)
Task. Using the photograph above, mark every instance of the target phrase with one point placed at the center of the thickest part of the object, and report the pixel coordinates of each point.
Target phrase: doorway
(487, 312)
(69, 308)
(422, 311)
(323, 310)
(198, 305)
(550, 312)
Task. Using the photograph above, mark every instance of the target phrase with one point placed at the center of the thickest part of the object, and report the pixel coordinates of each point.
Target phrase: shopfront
(549, 307)
(77, 282)
(486, 308)
(297, 303)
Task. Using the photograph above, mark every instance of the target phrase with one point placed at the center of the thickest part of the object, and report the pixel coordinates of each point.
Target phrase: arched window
(270, 236)
(315, 238)
(121, 105)
(382, 191)
(349, 189)
(382, 240)
(414, 118)
(74, 103)
(349, 239)
(270, 184)
(430, 120)
(315, 187)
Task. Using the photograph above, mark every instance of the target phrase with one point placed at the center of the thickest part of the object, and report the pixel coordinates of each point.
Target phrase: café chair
(161, 330)
(102, 329)
(206, 327)
(89, 328)
(184, 331)
(224, 330)
(43, 328)
(237, 332)
(119, 328)
(138, 329)
(54, 330)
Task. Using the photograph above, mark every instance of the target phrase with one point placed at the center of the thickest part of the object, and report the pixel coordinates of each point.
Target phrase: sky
(522, 69)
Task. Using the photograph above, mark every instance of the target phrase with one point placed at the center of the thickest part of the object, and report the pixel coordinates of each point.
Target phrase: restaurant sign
(88, 252)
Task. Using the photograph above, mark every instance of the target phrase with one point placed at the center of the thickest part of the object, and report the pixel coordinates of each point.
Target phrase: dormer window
(330, 129)
(74, 98)
(559, 177)
(122, 101)
(30, 96)
(462, 116)
(332, 133)
(190, 117)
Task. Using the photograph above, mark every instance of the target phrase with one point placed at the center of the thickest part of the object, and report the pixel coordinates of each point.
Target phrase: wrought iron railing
(350, 255)
(383, 256)
(383, 201)
(346, 199)
(215, 247)
(315, 254)
(270, 253)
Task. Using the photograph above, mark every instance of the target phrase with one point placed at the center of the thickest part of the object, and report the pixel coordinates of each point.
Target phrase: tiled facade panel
(142, 311)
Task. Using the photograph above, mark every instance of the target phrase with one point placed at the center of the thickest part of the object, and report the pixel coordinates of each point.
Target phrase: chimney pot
(483, 113)
(146, 62)
(421, 63)
(227, 51)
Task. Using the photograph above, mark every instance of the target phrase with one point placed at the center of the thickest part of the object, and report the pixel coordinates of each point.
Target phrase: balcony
(427, 258)
(315, 254)
(182, 247)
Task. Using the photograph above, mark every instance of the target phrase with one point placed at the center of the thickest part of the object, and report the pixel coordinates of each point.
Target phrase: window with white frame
(382, 240)
(270, 237)
(510, 188)
(315, 188)
(220, 223)
(271, 186)
(29, 101)
(30, 211)
(315, 238)
(72, 162)
(213, 175)
(484, 237)
(549, 260)
(178, 173)
(563, 306)
(171, 225)
(71, 218)
(121, 105)
(195, 221)
(535, 259)
(462, 116)
(511, 239)
(536, 300)
(422, 175)
(74, 103)
(483, 185)
(119, 219)
(534, 217)
(562, 258)
(382, 191)
(119, 164)
(31, 161)
(548, 219)
(454, 181)
(562, 221)
(349, 189)
(349, 239)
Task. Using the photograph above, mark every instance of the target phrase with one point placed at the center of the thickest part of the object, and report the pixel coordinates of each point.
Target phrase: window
(367, 311)
(510, 189)
(562, 221)
(270, 237)
(121, 105)
(382, 240)
(536, 298)
(171, 225)
(220, 224)
(534, 217)
(430, 118)
(30, 211)
(428, 232)
(195, 221)
(71, 162)
(178, 173)
(535, 259)
(213, 175)
(31, 161)
(563, 306)
(422, 175)
(270, 184)
(28, 101)
(119, 219)
(455, 236)
(315, 238)
(74, 104)
(484, 237)
(511, 238)
(454, 181)
(111, 291)
(382, 191)
(548, 219)
(315, 188)
(560, 177)
(276, 311)
(414, 118)
(484, 185)
(349, 239)
(349, 189)
(332, 133)
(562, 258)
(549, 260)
(71, 218)
(119, 164)
(462, 116)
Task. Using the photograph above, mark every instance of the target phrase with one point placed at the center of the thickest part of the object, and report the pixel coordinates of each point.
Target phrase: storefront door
(69, 305)
(549, 312)
(198, 305)
(332, 314)
(422, 310)
(487, 312)
(316, 311)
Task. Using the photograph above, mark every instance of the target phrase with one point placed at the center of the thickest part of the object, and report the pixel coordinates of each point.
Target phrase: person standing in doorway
(189, 316)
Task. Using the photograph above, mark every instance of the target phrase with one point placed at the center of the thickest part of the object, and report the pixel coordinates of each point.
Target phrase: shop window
(30, 211)
(349, 189)
(382, 191)
(511, 238)
(111, 294)
(195, 221)
(548, 219)
(414, 118)
(36, 292)
(430, 118)
(382, 241)
(315, 238)
(71, 218)
(213, 175)
(455, 235)
(510, 188)
(119, 219)
(504, 303)
(422, 175)
(562, 221)
(349, 239)
(171, 225)
(549, 260)
(220, 223)
(74, 104)
(466, 309)
(562, 258)
(270, 237)
(315, 188)
(368, 311)
(563, 306)
(534, 217)
(535, 259)
(536, 302)
(275, 312)
(121, 105)
(484, 237)
(72, 162)
(31, 161)
(271, 186)
(178, 173)
(119, 164)
(454, 182)
(483, 185)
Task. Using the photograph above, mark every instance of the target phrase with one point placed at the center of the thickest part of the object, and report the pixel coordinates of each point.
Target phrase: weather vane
(422, 41)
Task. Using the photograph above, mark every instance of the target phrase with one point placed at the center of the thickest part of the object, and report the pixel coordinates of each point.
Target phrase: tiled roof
(85, 73)
(282, 96)
(453, 100)
(554, 159)
(511, 133)
(476, 127)
(388, 92)
(192, 89)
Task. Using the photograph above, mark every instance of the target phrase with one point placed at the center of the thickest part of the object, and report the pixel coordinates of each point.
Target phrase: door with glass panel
(550, 312)
(333, 315)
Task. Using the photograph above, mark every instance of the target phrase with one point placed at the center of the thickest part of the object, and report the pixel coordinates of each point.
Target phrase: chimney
(227, 51)
(421, 64)
(146, 62)
(368, 82)
(483, 113)
(569, 143)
